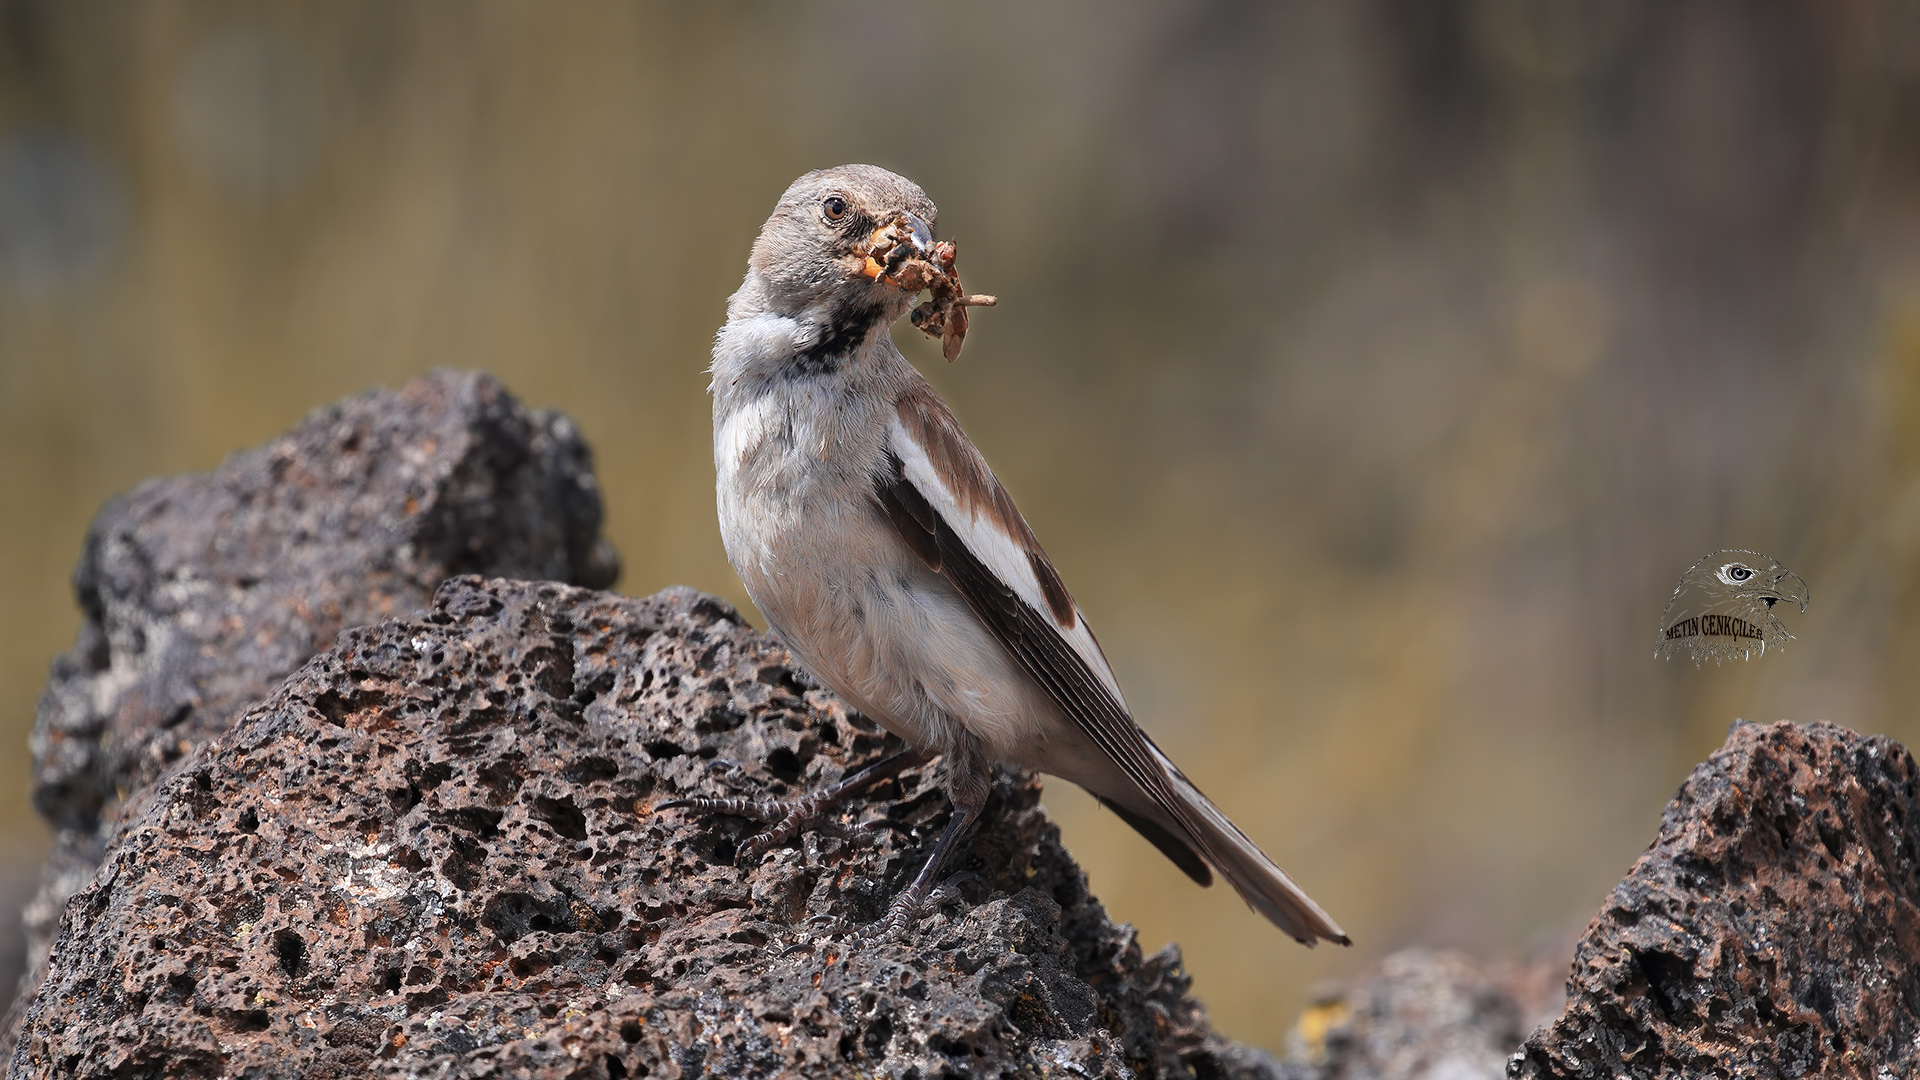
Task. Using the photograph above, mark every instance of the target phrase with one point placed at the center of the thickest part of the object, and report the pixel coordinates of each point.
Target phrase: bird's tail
(1264, 886)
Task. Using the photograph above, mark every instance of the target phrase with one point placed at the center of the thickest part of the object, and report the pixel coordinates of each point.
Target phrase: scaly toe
(756, 809)
(894, 925)
(752, 850)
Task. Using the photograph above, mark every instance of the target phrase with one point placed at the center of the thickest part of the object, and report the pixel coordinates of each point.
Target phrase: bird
(886, 556)
(1723, 608)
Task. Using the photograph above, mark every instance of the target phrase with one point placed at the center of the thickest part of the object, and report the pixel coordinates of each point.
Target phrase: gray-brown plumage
(1723, 608)
(885, 554)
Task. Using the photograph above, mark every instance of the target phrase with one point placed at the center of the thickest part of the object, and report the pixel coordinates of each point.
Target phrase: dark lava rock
(434, 852)
(1426, 1015)
(1771, 930)
(203, 592)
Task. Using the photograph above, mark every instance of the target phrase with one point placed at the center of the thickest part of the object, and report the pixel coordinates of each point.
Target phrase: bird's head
(817, 253)
(1762, 580)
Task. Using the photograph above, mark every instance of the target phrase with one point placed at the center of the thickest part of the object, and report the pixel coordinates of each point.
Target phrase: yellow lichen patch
(1314, 1025)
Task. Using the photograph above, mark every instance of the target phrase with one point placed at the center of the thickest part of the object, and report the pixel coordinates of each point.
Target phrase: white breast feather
(743, 431)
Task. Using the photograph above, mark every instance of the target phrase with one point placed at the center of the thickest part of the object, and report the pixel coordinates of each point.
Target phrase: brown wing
(938, 492)
(1039, 640)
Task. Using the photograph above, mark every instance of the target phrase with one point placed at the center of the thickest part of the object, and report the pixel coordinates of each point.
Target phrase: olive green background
(1372, 371)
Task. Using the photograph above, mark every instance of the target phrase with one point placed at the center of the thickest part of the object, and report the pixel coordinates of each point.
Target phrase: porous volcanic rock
(1771, 930)
(203, 592)
(435, 851)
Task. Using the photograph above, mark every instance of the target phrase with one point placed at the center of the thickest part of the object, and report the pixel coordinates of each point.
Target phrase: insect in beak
(894, 243)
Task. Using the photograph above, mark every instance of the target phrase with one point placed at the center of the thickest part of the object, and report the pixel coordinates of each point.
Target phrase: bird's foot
(893, 925)
(912, 901)
(789, 818)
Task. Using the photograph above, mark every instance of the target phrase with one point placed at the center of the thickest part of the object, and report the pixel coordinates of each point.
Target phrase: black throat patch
(849, 323)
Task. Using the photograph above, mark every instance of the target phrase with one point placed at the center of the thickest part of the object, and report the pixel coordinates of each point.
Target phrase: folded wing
(949, 508)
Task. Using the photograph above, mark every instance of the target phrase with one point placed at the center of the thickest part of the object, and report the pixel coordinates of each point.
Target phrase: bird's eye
(834, 207)
(1738, 572)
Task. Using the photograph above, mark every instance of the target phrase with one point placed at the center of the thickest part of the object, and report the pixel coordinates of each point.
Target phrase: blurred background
(1372, 371)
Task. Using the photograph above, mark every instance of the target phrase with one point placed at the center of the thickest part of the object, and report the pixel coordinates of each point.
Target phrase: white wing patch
(997, 551)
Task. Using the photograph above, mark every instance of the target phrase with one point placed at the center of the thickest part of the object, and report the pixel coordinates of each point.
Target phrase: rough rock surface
(1425, 1015)
(202, 592)
(434, 852)
(1771, 930)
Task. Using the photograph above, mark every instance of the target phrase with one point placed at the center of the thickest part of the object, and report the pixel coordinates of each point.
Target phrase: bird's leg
(969, 781)
(791, 817)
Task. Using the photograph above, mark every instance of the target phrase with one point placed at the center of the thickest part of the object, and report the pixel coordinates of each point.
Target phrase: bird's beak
(1787, 585)
(919, 233)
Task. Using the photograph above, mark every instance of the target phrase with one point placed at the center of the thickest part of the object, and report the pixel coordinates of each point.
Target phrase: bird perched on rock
(888, 558)
(1723, 608)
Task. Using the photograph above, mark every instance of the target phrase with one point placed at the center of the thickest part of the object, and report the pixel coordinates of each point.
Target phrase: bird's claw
(948, 891)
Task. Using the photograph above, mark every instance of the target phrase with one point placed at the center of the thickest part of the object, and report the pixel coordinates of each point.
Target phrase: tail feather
(1263, 885)
(1170, 843)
